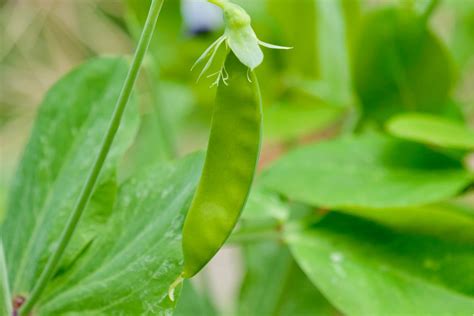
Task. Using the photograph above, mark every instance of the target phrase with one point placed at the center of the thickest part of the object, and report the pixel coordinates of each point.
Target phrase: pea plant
(343, 176)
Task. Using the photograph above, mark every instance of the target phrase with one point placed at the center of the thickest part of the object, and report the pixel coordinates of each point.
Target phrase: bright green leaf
(369, 171)
(131, 264)
(364, 269)
(98, 212)
(432, 130)
(65, 140)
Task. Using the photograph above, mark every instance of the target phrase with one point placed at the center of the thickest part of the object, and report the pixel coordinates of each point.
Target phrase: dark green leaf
(445, 219)
(400, 65)
(433, 130)
(65, 140)
(364, 269)
(369, 171)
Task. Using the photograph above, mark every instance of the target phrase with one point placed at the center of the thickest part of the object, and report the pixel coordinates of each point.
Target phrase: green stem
(88, 188)
(5, 288)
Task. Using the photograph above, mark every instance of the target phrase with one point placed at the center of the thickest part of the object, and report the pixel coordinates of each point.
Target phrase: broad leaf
(445, 219)
(400, 65)
(364, 269)
(129, 267)
(369, 171)
(275, 285)
(65, 140)
(433, 130)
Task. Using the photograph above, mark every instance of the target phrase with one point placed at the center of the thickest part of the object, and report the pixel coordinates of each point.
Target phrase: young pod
(229, 169)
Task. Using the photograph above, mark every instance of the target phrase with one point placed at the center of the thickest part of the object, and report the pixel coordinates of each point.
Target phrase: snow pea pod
(229, 168)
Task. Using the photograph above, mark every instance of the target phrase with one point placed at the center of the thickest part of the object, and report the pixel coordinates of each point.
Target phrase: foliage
(363, 204)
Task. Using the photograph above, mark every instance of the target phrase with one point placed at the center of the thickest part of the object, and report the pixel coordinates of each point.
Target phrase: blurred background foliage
(355, 64)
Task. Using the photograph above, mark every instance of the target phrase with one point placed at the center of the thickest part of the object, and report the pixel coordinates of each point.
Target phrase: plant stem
(88, 188)
(4, 287)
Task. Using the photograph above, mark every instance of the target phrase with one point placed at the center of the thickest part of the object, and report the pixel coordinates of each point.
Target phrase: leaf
(321, 50)
(130, 265)
(287, 121)
(368, 171)
(263, 205)
(334, 51)
(97, 215)
(65, 140)
(451, 221)
(462, 39)
(364, 269)
(193, 303)
(275, 285)
(432, 130)
(5, 296)
(400, 65)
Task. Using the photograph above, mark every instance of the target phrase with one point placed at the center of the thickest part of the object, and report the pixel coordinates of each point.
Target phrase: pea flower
(239, 37)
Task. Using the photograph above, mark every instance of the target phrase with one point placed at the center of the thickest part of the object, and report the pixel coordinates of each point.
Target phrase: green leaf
(321, 50)
(98, 212)
(400, 65)
(129, 267)
(275, 285)
(287, 121)
(432, 130)
(368, 171)
(445, 219)
(462, 39)
(334, 51)
(5, 296)
(364, 269)
(65, 140)
(263, 205)
(193, 303)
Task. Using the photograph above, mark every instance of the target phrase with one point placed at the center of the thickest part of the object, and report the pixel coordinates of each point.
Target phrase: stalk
(5, 288)
(88, 188)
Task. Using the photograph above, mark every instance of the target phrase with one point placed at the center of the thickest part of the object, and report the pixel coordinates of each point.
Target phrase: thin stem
(5, 288)
(88, 188)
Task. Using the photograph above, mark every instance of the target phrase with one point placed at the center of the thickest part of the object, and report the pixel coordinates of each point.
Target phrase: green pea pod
(229, 169)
